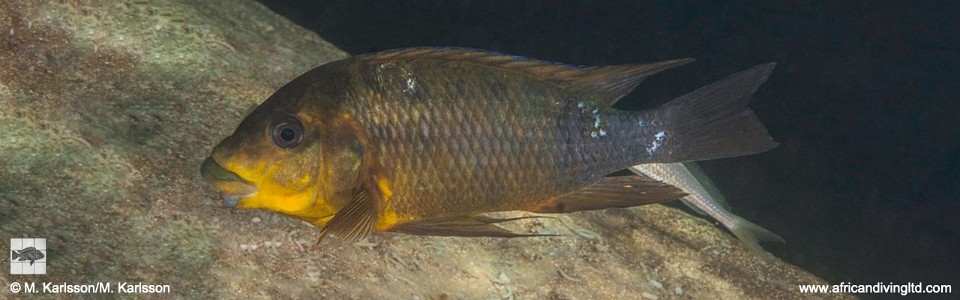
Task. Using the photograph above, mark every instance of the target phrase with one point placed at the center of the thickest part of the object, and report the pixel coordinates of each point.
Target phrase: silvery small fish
(704, 198)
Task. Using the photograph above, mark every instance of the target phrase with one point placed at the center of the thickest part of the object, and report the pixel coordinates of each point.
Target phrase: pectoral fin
(620, 191)
(464, 226)
(355, 220)
(361, 214)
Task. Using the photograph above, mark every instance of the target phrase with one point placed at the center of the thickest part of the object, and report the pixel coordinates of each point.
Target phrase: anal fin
(620, 191)
(463, 226)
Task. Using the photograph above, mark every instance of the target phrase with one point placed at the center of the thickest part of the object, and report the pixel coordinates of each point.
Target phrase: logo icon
(28, 256)
(28, 253)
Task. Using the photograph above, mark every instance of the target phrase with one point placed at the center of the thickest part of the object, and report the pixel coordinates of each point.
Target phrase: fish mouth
(233, 187)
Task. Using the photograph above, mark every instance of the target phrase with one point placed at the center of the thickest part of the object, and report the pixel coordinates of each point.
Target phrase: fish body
(704, 197)
(29, 253)
(422, 140)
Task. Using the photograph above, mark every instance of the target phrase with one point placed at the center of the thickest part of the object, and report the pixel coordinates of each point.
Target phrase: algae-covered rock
(107, 109)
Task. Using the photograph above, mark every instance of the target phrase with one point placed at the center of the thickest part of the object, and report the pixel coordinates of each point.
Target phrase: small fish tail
(752, 234)
(15, 255)
(714, 121)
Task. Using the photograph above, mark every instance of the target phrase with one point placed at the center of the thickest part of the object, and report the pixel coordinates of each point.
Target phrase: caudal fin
(715, 122)
(15, 254)
(752, 234)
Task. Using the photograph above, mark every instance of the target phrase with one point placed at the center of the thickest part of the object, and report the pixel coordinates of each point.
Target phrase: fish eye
(287, 135)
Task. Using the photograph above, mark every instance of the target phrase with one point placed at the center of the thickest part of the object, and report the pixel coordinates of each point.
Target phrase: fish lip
(230, 200)
(232, 187)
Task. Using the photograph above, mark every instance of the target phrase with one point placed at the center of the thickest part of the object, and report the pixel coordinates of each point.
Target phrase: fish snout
(233, 187)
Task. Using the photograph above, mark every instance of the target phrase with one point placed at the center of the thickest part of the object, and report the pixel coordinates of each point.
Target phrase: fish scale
(451, 183)
(521, 125)
(485, 101)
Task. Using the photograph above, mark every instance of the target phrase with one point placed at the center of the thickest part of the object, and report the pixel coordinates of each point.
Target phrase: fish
(28, 253)
(704, 198)
(425, 141)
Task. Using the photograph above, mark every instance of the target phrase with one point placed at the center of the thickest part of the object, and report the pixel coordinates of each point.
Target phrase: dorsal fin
(614, 82)
(610, 82)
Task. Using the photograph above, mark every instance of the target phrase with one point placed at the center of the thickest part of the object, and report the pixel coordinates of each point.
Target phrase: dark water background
(865, 185)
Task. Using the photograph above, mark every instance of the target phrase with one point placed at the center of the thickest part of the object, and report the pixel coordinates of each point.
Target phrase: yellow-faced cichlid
(423, 140)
